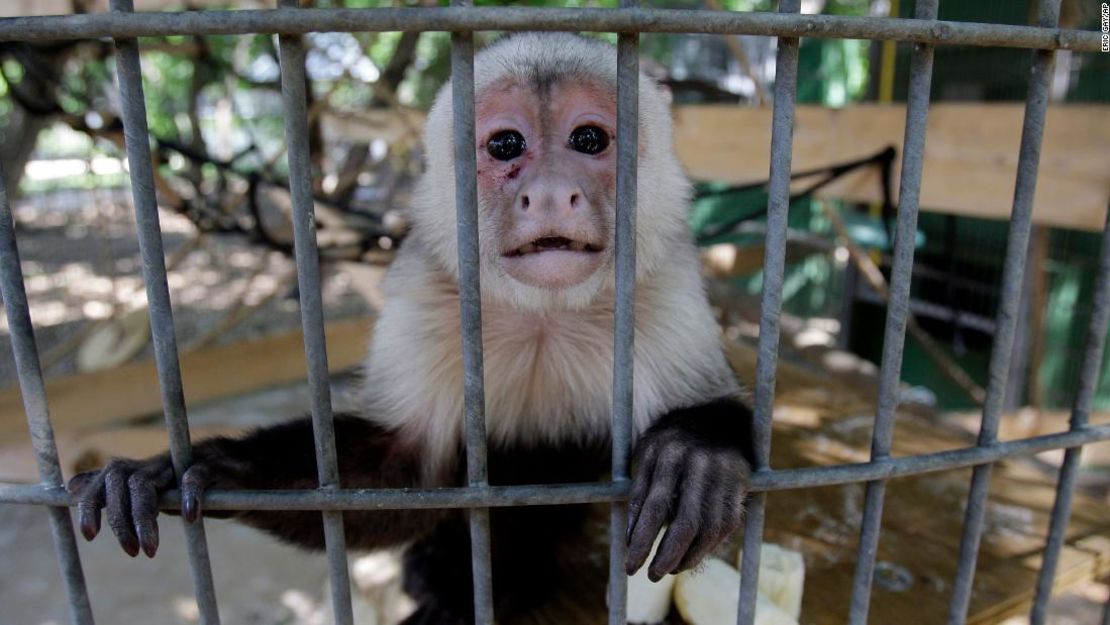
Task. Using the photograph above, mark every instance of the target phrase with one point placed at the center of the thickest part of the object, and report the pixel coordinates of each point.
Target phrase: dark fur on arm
(279, 457)
(690, 470)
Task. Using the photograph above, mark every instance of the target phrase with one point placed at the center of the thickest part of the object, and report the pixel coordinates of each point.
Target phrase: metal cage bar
(770, 309)
(460, 19)
(33, 391)
(294, 84)
(630, 20)
(534, 495)
(1017, 245)
(894, 337)
(624, 330)
(470, 313)
(1089, 371)
(136, 138)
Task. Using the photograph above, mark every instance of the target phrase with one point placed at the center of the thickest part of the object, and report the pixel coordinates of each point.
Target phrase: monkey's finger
(143, 487)
(119, 507)
(88, 490)
(715, 528)
(656, 508)
(724, 516)
(641, 483)
(688, 519)
(193, 484)
(144, 512)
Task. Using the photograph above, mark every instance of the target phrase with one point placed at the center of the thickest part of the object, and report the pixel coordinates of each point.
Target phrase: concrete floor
(258, 581)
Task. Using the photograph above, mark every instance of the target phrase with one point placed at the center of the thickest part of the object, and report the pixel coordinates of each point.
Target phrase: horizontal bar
(301, 21)
(359, 499)
(544, 495)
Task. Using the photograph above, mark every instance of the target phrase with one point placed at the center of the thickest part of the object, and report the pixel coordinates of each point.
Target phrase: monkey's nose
(552, 199)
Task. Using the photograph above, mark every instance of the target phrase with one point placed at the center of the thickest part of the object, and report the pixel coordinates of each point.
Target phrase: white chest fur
(548, 375)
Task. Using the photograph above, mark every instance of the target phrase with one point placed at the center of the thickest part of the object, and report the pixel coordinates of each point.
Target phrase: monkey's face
(545, 142)
(546, 175)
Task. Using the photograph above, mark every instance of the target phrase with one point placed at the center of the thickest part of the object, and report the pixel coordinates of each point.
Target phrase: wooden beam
(84, 400)
(971, 154)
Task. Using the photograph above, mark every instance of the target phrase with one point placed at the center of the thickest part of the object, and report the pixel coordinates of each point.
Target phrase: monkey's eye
(589, 140)
(506, 145)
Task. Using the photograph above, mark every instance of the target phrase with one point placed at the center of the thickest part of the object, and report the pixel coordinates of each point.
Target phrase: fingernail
(189, 508)
(130, 547)
(149, 541)
(88, 527)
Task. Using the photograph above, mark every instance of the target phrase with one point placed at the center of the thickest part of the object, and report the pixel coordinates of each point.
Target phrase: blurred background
(215, 116)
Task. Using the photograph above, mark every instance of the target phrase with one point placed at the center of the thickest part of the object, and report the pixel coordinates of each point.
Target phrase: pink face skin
(552, 205)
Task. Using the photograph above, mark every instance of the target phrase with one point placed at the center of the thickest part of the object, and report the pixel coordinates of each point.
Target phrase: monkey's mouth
(550, 244)
(553, 261)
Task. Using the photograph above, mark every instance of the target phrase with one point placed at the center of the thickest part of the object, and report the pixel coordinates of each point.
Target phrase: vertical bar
(1036, 104)
(774, 261)
(32, 389)
(628, 107)
(137, 139)
(293, 89)
(1089, 372)
(917, 111)
(470, 308)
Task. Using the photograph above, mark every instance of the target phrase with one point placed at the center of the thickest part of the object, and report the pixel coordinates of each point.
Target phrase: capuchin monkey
(546, 120)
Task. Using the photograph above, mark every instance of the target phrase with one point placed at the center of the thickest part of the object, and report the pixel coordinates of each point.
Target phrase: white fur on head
(663, 192)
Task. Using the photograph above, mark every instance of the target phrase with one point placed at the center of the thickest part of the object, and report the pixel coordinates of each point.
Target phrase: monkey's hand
(690, 471)
(278, 457)
(130, 490)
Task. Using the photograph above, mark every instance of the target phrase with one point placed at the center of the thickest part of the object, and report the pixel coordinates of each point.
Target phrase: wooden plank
(130, 391)
(970, 155)
(86, 450)
(822, 419)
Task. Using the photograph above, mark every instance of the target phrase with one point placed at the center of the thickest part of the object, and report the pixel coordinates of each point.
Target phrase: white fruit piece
(710, 595)
(782, 577)
(649, 602)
